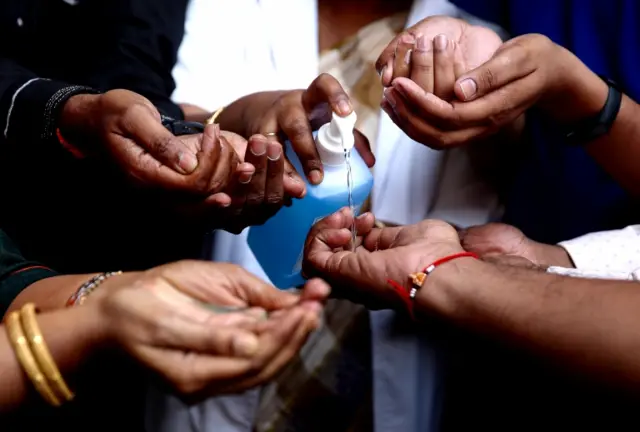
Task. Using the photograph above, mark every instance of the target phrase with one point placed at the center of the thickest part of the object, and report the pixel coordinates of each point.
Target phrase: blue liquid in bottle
(278, 245)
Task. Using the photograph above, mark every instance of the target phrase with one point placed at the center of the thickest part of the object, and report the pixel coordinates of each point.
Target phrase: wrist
(95, 325)
(552, 255)
(77, 115)
(578, 94)
(443, 290)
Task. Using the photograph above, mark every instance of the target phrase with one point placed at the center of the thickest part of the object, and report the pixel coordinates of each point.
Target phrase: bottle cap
(335, 137)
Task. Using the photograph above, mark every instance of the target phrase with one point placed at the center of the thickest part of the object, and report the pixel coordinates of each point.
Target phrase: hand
(432, 54)
(506, 244)
(525, 71)
(293, 115)
(380, 254)
(130, 132)
(410, 54)
(257, 193)
(160, 318)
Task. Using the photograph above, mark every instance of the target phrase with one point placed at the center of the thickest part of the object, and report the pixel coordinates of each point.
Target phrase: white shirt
(604, 255)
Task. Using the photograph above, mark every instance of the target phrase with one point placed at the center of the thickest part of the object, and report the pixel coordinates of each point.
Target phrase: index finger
(326, 89)
(384, 64)
(254, 291)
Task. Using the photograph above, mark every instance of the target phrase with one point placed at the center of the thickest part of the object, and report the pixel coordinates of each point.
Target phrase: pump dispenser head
(335, 137)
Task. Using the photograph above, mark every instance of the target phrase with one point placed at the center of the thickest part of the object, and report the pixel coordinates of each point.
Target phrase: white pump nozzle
(335, 137)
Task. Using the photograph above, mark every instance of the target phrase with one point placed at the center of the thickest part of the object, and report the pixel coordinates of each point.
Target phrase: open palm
(380, 255)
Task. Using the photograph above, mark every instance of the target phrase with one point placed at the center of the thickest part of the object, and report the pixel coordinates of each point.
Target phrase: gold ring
(271, 134)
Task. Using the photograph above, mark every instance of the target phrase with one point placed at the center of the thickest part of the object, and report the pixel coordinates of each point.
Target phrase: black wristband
(56, 103)
(595, 127)
(181, 127)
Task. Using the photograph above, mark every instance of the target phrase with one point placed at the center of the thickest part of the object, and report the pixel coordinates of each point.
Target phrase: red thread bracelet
(68, 146)
(419, 278)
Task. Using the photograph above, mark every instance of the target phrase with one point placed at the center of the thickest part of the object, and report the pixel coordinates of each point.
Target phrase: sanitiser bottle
(278, 244)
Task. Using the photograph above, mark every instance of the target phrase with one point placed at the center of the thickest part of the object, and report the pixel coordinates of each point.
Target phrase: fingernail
(245, 178)
(407, 38)
(422, 44)
(187, 162)
(407, 57)
(274, 151)
(315, 177)
(390, 97)
(469, 88)
(441, 42)
(344, 107)
(244, 345)
(258, 146)
(212, 130)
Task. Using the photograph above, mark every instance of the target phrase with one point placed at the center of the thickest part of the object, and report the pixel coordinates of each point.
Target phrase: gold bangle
(41, 352)
(26, 359)
(214, 116)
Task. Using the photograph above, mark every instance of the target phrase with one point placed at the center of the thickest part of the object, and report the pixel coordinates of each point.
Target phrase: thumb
(149, 133)
(507, 65)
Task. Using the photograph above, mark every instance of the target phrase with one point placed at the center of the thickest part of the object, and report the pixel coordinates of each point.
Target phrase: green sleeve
(16, 273)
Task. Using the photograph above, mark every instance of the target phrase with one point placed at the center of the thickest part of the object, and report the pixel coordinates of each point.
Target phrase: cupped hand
(380, 255)
(169, 319)
(293, 115)
(257, 192)
(525, 71)
(441, 37)
(506, 244)
(429, 58)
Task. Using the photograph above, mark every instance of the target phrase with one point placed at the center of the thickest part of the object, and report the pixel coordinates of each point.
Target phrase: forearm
(72, 336)
(30, 105)
(619, 150)
(49, 294)
(580, 323)
(582, 97)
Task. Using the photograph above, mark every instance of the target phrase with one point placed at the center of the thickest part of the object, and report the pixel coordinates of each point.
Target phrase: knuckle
(421, 66)
(255, 198)
(135, 110)
(296, 127)
(200, 184)
(163, 146)
(257, 366)
(441, 141)
(183, 382)
(455, 119)
(324, 78)
(540, 40)
(487, 79)
(274, 198)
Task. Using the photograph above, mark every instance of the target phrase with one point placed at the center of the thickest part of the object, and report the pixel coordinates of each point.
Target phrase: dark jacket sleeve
(140, 46)
(29, 104)
(16, 273)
